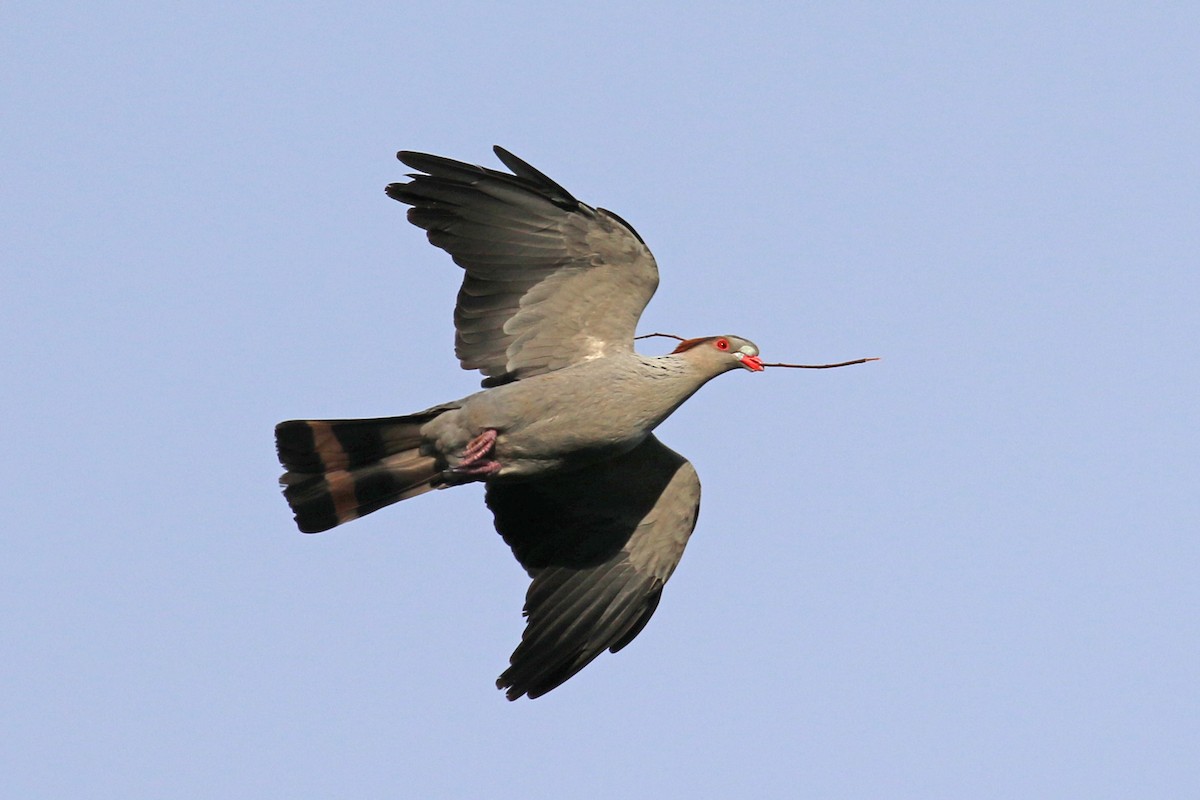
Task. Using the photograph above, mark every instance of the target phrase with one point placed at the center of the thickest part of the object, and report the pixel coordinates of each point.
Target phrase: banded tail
(342, 469)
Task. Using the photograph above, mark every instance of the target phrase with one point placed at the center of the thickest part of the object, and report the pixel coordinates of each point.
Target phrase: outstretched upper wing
(550, 281)
(599, 543)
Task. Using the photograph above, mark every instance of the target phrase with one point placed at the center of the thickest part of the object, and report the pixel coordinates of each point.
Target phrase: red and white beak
(750, 362)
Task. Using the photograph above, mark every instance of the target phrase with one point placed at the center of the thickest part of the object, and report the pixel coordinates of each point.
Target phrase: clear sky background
(966, 571)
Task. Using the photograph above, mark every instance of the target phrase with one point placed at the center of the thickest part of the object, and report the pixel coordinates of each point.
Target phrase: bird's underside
(594, 507)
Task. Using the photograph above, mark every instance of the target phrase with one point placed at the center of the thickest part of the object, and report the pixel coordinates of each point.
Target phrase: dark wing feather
(599, 544)
(550, 281)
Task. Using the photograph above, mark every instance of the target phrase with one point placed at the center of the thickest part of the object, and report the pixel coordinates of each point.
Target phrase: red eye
(722, 344)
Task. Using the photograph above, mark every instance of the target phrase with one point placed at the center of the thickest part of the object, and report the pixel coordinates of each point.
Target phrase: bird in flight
(595, 508)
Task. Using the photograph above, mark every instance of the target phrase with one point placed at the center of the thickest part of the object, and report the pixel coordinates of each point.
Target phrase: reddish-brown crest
(688, 344)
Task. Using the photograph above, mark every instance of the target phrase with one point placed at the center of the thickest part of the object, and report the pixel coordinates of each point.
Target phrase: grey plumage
(550, 281)
(595, 508)
(599, 543)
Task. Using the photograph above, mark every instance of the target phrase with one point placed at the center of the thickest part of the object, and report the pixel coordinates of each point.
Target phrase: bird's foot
(480, 469)
(478, 447)
(474, 461)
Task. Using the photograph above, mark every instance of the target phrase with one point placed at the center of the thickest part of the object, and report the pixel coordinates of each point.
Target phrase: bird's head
(722, 353)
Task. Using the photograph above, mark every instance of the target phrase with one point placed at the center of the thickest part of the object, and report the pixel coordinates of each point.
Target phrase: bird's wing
(550, 281)
(599, 544)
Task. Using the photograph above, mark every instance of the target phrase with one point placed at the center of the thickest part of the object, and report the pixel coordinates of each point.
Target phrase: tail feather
(339, 470)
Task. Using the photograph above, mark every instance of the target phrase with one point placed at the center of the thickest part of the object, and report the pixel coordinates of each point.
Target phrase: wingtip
(412, 158)
(407, 157)
(505, 685)
(525, 171)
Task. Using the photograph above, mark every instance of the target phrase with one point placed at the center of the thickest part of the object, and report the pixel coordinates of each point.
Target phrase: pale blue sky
(968, 570)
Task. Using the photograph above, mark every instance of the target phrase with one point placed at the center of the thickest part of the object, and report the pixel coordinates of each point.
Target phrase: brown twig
(664, 335)
(822, 366)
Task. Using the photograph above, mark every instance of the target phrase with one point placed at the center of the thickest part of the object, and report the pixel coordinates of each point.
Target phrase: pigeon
(594, 507)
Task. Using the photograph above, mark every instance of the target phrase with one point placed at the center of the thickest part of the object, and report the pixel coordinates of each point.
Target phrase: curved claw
(475, 463)
(479, 469)
(478, 447)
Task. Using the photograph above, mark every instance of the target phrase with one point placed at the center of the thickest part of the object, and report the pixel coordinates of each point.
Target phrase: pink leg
(474, 461)
(478, 447)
